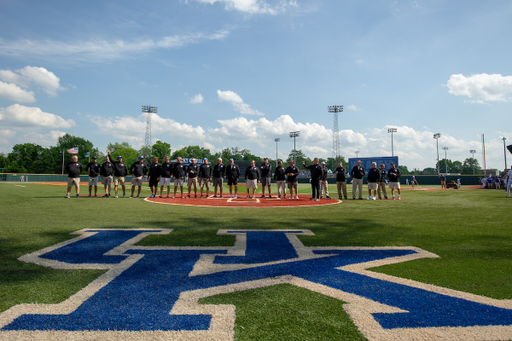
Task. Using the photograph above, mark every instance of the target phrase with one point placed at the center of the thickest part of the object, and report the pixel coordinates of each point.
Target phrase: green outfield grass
(470, 229)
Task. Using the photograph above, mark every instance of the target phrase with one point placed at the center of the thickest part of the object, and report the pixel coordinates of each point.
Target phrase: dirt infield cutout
(244, 202)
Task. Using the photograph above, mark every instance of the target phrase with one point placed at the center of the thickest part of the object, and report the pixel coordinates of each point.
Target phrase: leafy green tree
(237, 154)
(114, 147)
(69, 141)
(403, 169)
(445, 166)
(299, 157)
(4, 160)
(429, 171)
(456, 167)
(192, 151)
(471, 166)
(130, 156)
(26, 158)
(161, 149)
(332, 164)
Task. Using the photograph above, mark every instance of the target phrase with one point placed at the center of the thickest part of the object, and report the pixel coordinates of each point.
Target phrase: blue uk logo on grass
(153, 292)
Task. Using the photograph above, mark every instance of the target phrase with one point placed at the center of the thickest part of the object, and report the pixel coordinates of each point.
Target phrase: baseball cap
(205, 159)
(119, 157)
(231, 160)
(141, 157)
(94, 157)
(323, 163)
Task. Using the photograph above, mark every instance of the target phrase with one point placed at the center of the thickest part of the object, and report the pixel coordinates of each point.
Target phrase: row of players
(160, 174)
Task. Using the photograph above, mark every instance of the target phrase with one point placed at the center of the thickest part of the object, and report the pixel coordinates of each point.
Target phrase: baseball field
(465, 233)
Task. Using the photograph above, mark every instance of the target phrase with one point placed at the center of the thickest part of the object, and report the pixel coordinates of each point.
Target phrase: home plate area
(304, 200)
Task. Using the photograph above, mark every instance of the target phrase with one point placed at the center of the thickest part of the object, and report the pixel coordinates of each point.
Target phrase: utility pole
(392, 130)
(335, 109)
(505, 151)
(436, 137)
(146, 148)
(445, 159)
(276, 140)
(472, 151)
(294, 134)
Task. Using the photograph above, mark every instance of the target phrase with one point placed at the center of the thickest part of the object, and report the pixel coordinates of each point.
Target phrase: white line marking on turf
(223, 316)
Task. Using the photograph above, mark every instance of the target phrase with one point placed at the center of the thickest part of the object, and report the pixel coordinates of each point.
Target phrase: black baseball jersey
(120, 168)
(74, 169)
(252, 173)
(232, 172)
(219, 171)
(394, 174)
(294, 171)
(205, 171)
(280, 173)
(357, 172)
(193, 170)
(179, 171)
(266, 170)
(340, 174)
(107, 169)
(155, 170)
(166, 170)
(138, 169)
(93, 168)
(316, 171)
(373, 175)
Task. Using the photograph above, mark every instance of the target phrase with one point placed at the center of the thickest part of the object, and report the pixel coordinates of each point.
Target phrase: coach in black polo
(232, 176)
(252, 177)
(316, 172)
(93, 170)
(357, 173)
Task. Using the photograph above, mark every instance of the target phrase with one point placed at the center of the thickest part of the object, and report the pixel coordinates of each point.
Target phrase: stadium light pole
(392, 130)
(276, 140)
(436, 137)
(505, 151)
(445, 158)
(294, 134)
(472, 151)
(357, 154)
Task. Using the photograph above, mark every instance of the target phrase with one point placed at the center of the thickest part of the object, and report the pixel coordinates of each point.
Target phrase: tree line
(33, 158)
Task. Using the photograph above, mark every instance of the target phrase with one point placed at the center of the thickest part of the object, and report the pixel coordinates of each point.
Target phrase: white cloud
(415, 148)
(11, 77)
(21, 116)
(100, 50)
(43, 78)
(253, 6)
(353, 107)
(237, 102)
(482, 87)
(197, 99)
(29, 75)
(45, 140)
(128, 128)
(6, 135)
(13, 92)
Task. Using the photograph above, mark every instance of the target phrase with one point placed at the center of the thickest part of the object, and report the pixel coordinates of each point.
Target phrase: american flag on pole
(73, 150)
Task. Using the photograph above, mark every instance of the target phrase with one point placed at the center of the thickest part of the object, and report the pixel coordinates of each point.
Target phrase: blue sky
(227, 73)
